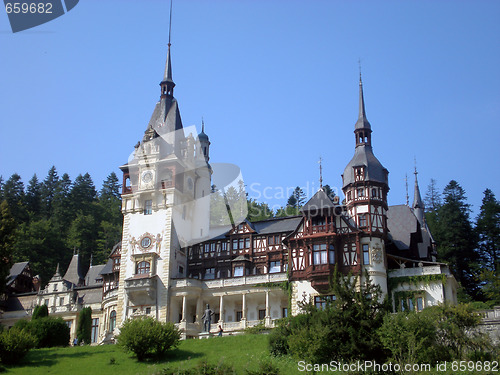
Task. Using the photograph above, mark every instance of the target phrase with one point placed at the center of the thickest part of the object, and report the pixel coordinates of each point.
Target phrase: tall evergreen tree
(34, 197)
(488, 230)
(13, 191)
(258, 211)
(7, 238)
(432, 197)
(456, 239)
(297, 199)
(49, 188)
(83, 194)
(61, 204)
(329, 191)
(1, 188)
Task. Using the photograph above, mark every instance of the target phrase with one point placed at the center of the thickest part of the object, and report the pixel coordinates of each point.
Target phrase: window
(349, 195)
(362, 220)
(366, 254)
(112, 321)
(275, 267)
(181, 270)
(420, 303)
(95, 330)
(285, 312)
(318, 221)
(212, 247)
(238, 271)
(55, 287)
(148, 207)
(209, 273)
(361, 192)
(224, 246)
(239, 316)
(148, 310)
(320, 255)
(207, 248)
(46, 302)
(68, 323)
(331, 254)
(61, 301)
(262, 314)
(235, 244)
(247, 243)
(143, 267)
(374, 193)
(273, 240)
(350, 256)
(322, 301)
(116, 264)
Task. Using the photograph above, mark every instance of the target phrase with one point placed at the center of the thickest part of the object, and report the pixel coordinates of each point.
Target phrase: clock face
(147, 177)
(146, 242)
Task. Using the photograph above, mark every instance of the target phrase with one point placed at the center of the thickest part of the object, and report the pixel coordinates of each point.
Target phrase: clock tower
(165, 185)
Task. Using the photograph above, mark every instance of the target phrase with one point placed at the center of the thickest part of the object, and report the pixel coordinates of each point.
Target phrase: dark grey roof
(374, 170)
(15, 271)
(401, 223)
(93, 275)
(74, 273)
(108, 268)
(318, 202)
(286, 224)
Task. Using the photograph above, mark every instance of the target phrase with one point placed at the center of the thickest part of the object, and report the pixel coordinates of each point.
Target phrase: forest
(46, 222)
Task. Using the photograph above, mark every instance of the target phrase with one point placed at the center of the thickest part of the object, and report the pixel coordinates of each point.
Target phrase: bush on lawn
(14, 345)
(40, 311)
(47, 331)
(147, 337)
(84, 327)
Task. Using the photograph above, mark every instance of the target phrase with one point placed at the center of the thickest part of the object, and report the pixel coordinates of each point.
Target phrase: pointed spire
(407, 195)
(320, 173)
(167, 84)
(57, 271)
(362, 121)
(418, 204)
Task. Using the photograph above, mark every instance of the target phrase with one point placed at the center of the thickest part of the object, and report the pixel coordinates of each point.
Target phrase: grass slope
(244, 351)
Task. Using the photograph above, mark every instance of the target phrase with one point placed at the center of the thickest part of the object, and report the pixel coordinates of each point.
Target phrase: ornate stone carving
(377, 254)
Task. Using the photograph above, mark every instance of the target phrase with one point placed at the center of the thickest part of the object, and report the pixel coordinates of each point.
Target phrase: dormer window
(359, 174)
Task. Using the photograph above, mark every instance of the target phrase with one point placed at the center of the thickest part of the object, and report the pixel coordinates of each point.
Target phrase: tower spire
(167, 84)
(407, 196)
(320, 173)
(362, 129)
(418, 204)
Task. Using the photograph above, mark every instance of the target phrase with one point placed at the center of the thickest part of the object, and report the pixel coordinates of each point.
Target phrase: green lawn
(241, 352)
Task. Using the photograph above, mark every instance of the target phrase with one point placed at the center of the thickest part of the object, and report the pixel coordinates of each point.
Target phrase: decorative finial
(170, 24)
(320, 173)
(359, 66)
(202, 125)
(415, 162)
(407, 196)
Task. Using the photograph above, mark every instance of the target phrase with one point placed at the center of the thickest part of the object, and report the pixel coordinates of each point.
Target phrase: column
(183, 309)
(221, 309)
(268, 311)
(244, 311)
(199, 310)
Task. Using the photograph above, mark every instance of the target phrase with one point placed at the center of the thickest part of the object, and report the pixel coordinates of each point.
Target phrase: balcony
(141, 285)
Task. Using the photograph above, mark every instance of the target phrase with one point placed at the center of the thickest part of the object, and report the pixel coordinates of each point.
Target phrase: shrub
(344, 330)
(84, 327)
(40, 312)
(148, 337)
(49, 332)
(14, 345)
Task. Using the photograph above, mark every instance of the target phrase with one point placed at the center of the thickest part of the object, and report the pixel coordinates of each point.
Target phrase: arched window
(112, 321)
(143, 267)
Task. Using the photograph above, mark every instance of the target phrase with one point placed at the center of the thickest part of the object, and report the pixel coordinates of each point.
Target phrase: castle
(173, 260)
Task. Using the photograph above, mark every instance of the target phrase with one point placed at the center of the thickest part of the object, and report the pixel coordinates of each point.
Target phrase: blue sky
(275, 81)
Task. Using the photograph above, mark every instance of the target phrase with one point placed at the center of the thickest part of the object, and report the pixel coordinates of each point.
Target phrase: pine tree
(7, 238)
(34, 197)
(258, 211)
(297, 199)
(1, 189)
(83, 194)
(432, 198)
(488, 230)
(456, 239)
(49, 188)
(329, 191)
(13, 191)
(62, 214)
